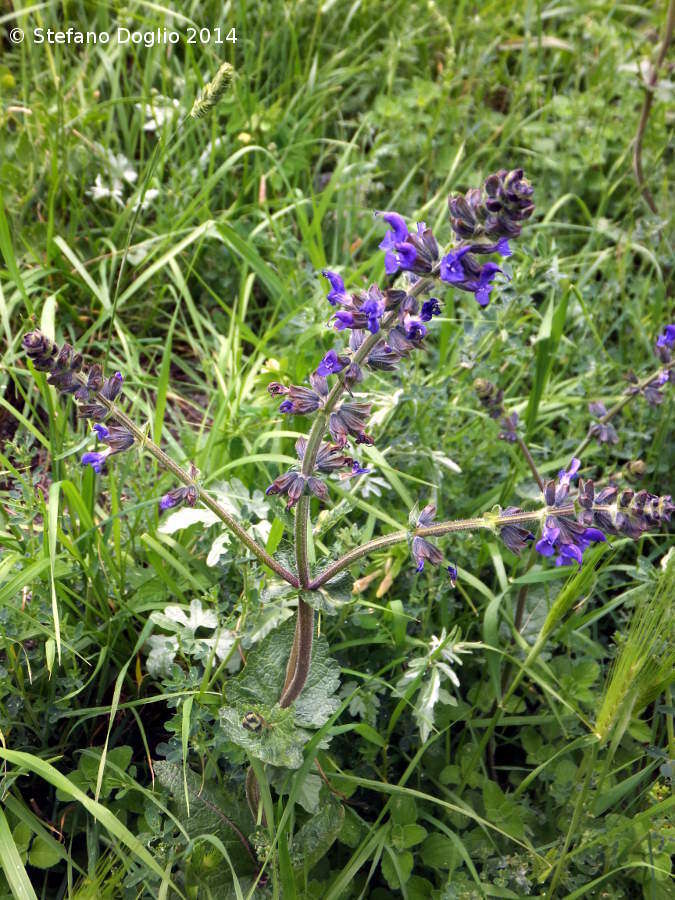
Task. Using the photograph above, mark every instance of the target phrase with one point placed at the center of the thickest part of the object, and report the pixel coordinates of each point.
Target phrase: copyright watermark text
(121, 35)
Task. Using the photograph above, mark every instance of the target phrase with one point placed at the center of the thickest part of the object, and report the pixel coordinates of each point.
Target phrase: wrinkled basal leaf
(278, 742)
(306, 793)
(213, 810)
(262, 679)
(317, 836)
(258, 687)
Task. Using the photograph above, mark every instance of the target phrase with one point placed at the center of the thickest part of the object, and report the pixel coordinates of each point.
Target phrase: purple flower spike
(423, 550)
(406, 255)
(565, 476)
(331, 364)
(101, 432)
(414, 329)
(343, 319)
(337, 293)
(426, 516)
(484, 285)
(373, 309)
(178, 496)
(398, 233)
(569, 553)
(416, 252)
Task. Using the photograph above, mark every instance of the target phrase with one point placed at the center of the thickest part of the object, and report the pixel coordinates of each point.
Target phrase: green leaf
(332, 595)
(503, 810)
(317, 836)
(403, 810)
(42, 855)
(405, 836)
(278, 742)
(397, 867)
(214, 810)
(261, 681)
(353, 829)
(438, 852)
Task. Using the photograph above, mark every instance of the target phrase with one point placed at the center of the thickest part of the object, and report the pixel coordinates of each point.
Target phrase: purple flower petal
(667, 339)
(503, 247)
(397, 222)
(337, 293)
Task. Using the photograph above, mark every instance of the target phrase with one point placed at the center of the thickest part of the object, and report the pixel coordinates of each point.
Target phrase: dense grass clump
(167, 210)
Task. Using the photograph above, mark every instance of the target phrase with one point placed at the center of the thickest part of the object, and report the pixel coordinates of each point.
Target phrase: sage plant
(378, 329)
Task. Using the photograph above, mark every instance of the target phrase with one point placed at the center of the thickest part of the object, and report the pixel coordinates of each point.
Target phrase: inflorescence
(386, 326)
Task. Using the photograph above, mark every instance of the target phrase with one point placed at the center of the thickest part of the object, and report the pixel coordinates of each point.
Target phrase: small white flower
(158, 111)
(148, 197)
(100, 191)
(121, 167)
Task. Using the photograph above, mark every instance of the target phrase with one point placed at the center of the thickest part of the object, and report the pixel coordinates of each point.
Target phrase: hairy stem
(436, 530)
(619, 405)
(530, 461)
(167, 463)
(293, 687)
(304, 630)
(647, 106)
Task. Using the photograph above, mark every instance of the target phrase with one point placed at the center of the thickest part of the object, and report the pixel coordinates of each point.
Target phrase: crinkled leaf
(397, 868)
(331, 596)
(186, 516)
(276, 589)
(279, 742)
(213, 810)
(316, 837)
(218, 548)
(262, 679)
(264, 620)
(163, 649)
(307, 793)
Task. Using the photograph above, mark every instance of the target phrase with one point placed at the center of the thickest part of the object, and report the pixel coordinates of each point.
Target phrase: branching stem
(619, 405)
(647, 106)
(298, 668)
(436, 530)
(530, 461)
(181, 475)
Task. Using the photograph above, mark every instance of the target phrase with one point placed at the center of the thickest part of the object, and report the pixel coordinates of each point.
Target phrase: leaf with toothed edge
(258, 688)
(332, 595)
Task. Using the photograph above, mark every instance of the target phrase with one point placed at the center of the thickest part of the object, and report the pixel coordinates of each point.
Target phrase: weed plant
(321, 579)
